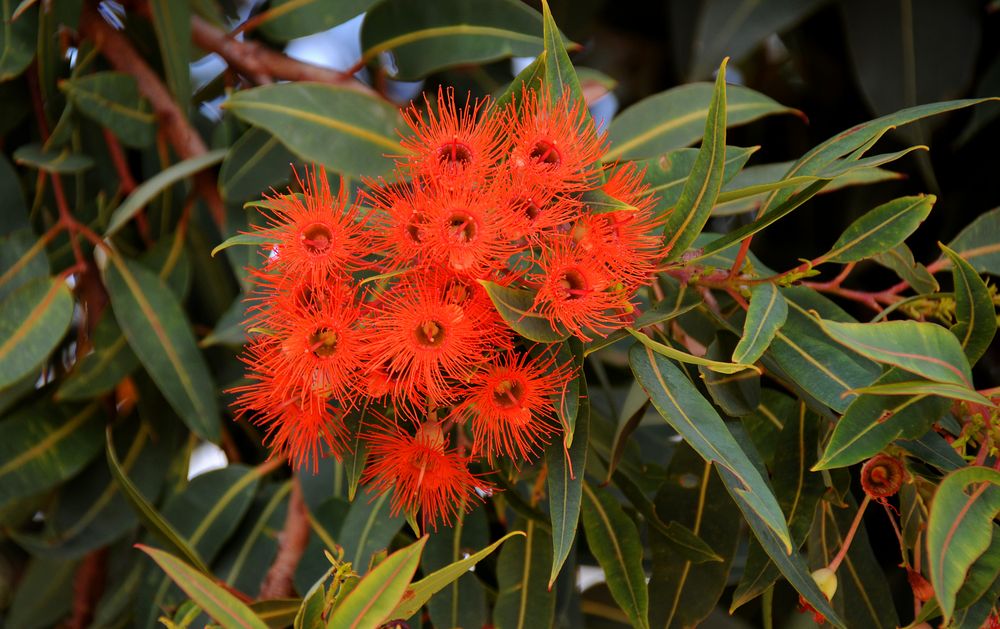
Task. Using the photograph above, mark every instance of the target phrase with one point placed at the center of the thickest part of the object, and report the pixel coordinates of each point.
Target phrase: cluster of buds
(379, 306)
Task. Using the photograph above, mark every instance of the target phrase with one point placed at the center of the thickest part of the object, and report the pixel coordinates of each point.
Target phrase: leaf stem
(846, 544)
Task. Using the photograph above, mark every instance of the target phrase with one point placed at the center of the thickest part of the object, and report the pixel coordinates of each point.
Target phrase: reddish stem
(846, 543)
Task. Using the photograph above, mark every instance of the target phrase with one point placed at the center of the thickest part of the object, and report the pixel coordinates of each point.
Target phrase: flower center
(527, 207)
(414, 225)
(545, 152)
(454, 152)
(573, 284)
(317, 238)
(508, 393)
(429, 334)
(323, 342)
(462, 227)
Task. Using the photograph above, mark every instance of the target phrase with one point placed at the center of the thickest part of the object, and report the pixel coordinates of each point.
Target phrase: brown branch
(186, 142)
(293, 539)
(88, 586)
(263, 65)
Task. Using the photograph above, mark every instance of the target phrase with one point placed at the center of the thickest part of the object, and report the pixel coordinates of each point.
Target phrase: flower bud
(826, 579)
(882, 476)
(922, 589)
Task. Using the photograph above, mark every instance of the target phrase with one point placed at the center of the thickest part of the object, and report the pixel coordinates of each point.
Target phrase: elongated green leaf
(229, 611)
(613, 538)
(421, 591)
(683, 593)
(677, 117)
(881, 229)
(426, 37)
(112, 100)
(153, 186)
(766, 314)
(684, 357)
(290, 19)
(960, 528)
(523, 597)
(256, 161)
(62, 162)
(42, 445)
(253, 240)
(977, 243)
(900, 259)
(565, 484)
(680, 404)
(460, 602)
(515, 306)
(925, 349)
(560, 76)
(148, 514)
(344, 130)
(254, 546)
(276, 613)
(172, 21)
(976, 316)
(367, 528)
(373, 600)
(159, 334)
(666, 174)
(102, 369)
(33, 320)
(22, 259)
(678, 299)
(44, 594)
(694, 207)
(871, 422)
(17, 39)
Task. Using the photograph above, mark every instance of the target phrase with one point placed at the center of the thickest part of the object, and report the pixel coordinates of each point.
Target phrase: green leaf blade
(33, 320)
(881, 229)
(976, 318)
(767, 313)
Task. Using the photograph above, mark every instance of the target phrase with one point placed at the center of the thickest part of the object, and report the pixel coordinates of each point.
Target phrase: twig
(294, 537)
(88, 586)
(116, 48)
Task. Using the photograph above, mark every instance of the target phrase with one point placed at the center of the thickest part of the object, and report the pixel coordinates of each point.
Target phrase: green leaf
(62, 163)
(960, 528)
(15, 214)
(767, 313)
(158, 332)
(684, 357)
(691, 415)
(251, 239)
(666, 175)
(881, 229)
(900, 259)
(458, 598)
(99, 371)
(151, 518)
(976, 318)
(373, 600)
(255, 162)
(290, 19)
(421, 591)
(515, 306)
(43, 596)
(42, 445)
(523, 597)
(565, 485)
(367, 528)
(684, 593)
(738, 394)
(22, 259)
(113, 101)
(613, 538)
(694, 207)
(152, 187)
(343, 129)
(678, 299)
(214, 600)
(17, 39)
(172, 22)
(33, 320)
(560, 76)
(276, 613)
(925, 349)
(872, 422)
(823, 369)
(977, 243)
(677, 118)
(254, 546)
(424, 37)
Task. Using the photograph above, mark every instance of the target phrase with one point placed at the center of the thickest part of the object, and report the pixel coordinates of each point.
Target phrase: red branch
(293, 540)
(88, 586)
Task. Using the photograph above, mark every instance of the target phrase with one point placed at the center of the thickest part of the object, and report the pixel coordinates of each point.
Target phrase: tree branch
(292, 543)
(186, 142)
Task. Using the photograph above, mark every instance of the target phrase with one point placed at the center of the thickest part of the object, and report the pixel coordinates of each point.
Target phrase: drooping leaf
(374, 598)
(33, 320)
(765, 316)
(925, 349)
(565, 485)
(426, 37)
(44, 595)
(977, 243)
(881, 229)
(42, 445)
(523, 597)
(172, 22)
(229, 611)
(22, 259)
(345, 130)
(112, 100)
(17, 39)
(677, 117)
(976, 318)
(159, 334)
(694, 207)
(62, 162)
(613, 538)
(960, 528)
(152, 187)
(285, 20)
(690, 414)
(900, 259)
(670, 352)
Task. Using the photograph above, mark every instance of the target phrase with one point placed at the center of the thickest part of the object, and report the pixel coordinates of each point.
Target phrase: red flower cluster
(379, 305)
